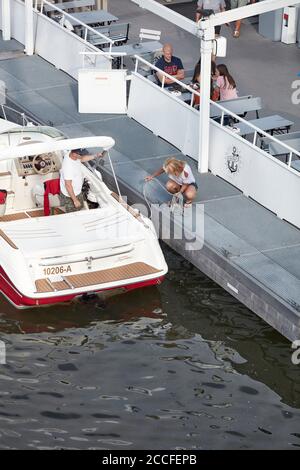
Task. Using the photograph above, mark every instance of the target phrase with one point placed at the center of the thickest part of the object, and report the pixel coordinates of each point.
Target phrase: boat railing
(39, 7)
(18, 117)
(257, 132)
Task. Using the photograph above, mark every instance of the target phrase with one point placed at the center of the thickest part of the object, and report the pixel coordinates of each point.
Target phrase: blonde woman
(181, 179)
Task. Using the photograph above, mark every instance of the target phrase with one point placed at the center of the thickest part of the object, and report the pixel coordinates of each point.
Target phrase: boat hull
(18, 300)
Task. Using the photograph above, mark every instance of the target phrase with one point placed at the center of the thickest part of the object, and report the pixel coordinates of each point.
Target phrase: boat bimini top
(51, 145)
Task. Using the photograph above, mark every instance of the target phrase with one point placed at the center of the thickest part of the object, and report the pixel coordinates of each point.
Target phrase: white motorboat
(55, 258)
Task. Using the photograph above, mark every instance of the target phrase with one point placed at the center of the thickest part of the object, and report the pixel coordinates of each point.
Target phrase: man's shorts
(68, 203)
(238, 3)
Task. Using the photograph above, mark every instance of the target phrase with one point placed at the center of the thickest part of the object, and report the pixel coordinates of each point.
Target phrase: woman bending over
(181, 179)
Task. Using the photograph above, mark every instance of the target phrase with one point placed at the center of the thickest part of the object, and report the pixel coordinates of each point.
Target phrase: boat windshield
(47, 130)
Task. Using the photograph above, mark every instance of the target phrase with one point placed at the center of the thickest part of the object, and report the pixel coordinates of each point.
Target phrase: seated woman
(214, 89)
(226, 83)
(181, 179)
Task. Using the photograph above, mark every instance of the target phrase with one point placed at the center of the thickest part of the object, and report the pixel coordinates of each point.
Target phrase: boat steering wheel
(42, 164)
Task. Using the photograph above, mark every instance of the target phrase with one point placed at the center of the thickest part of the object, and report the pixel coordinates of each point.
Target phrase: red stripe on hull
(20, 301)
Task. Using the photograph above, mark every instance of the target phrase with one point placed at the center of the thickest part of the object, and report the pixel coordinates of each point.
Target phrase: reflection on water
(182, 366)
(80, 313)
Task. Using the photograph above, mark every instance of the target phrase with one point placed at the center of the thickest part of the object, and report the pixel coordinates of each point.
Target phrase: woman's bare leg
(190, 194)
(173, 187)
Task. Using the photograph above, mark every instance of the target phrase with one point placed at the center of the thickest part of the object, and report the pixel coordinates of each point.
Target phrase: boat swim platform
(128, 271)
(247, 250)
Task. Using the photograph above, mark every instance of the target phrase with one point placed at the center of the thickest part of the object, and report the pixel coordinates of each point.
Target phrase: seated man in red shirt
(169, 64)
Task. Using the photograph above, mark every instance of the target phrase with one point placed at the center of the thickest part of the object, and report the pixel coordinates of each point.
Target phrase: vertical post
(206, 48)
(6, 29)
(101, 5)
(28, 27)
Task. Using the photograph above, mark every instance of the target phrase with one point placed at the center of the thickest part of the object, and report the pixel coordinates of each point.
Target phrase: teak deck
(129, 271)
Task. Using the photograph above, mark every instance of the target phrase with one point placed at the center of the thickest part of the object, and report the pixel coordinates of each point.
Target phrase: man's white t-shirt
(71, 170)
(186, 177)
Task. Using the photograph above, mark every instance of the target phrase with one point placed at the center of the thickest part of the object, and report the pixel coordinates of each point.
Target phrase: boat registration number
(62, 269)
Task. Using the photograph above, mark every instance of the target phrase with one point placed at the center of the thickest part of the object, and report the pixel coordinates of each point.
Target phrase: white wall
(259, 175)
(164, 114)
(54, 43)
(17, 9)
(61, 47)
(265, 179)
(17, 15)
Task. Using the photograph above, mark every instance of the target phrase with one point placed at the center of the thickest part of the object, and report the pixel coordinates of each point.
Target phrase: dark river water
(182, 366)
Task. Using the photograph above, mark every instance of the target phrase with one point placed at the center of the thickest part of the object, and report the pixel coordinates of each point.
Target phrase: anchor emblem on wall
(233, 160)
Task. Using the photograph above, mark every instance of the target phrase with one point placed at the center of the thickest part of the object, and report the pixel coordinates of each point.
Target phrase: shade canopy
(38, 148)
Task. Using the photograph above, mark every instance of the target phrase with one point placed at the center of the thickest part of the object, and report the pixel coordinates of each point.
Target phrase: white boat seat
(38, 197)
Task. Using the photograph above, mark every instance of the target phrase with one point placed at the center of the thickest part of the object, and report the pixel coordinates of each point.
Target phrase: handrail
(25, 119)
(183, 85)
(68, 15)
(256, 129)
(109, 55)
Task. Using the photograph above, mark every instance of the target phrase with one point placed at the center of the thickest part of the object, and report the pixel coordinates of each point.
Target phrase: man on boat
(71, 178)
(169, 64)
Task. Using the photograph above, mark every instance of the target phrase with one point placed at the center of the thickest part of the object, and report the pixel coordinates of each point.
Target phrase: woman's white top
(186, 177)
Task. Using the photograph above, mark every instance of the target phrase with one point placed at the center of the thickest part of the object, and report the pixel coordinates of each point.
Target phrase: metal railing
(17, 117)
(224, 112)
(109, 55)
(39, 7)
(10, 114)
(165, 75)
(258, 132)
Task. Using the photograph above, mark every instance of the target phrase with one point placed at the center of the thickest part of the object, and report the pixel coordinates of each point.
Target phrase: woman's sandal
(236, 34)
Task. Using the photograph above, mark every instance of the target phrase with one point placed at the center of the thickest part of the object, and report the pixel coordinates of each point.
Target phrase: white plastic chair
(153, 35)
(149, 34)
